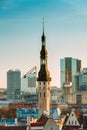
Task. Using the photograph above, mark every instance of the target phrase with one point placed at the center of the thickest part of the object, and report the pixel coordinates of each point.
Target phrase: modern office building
(13, 84)
(79, 82)
(28, 82)
(68, 67)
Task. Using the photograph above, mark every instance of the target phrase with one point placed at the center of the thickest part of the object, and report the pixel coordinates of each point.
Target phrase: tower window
(40, 94)
(44, 94)
(44, 83)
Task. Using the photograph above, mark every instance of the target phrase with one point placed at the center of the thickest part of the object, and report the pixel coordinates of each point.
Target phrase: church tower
(44, 79)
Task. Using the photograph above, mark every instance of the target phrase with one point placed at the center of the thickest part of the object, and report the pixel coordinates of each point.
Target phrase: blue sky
(21, 30)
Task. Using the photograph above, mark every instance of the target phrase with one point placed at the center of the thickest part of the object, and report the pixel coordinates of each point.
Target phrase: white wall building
(28, 81)
(73, 119)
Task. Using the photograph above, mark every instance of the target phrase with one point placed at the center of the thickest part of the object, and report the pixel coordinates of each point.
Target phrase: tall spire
(44, 74)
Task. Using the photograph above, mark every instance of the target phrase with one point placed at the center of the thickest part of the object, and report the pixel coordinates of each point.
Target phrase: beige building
(79, 97)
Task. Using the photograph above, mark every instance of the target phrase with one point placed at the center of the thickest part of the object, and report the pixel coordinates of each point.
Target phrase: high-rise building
(44, 79)
(13, 84)
(68, 67)
(28, 81)
(80, 81)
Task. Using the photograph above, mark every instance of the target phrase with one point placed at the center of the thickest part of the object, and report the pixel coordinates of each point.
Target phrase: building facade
(79, 97)
(44, 79)
(68, 67)
(44, 123)
(75, 121)
(13, 84)
(80, 81)
(28, 82)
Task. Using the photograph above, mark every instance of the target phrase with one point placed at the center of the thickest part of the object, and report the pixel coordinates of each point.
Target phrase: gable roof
(78, 117)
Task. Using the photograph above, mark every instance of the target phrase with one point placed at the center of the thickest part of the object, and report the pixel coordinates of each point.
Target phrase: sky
(21, 31)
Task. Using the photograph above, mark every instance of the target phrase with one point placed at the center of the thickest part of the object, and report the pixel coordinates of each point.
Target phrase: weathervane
(43, 19)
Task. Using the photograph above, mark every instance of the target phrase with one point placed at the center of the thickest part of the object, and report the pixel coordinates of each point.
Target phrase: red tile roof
(43, 118)
(74, 128)
(13, 127)
(41, 121)
(77, 113)
(79, 116)
(37, 124)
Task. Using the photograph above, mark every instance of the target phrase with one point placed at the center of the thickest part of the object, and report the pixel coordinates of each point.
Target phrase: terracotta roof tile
(43, 119)
(13, 127)
(77, 114)
(37, 124)
(74, 128)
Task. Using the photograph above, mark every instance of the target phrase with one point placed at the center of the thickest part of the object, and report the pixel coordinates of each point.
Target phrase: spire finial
(43, 19)
(43, 35)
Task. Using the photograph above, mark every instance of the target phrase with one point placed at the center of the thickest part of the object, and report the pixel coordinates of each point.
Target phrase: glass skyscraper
(80, 81)
(13, 84)
(68, 67)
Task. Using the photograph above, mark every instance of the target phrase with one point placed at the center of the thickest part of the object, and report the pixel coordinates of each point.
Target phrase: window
(40, 94)
(75, 122)
(69, 122)
(44, 83)
(44, 94)
(72, 122)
